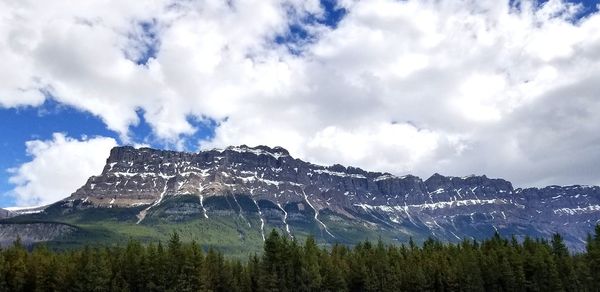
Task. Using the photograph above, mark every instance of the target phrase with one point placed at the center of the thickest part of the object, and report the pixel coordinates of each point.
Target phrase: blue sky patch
(20, 125)
(299, 32)
(205, 130)
(144, 42)
(588, 6)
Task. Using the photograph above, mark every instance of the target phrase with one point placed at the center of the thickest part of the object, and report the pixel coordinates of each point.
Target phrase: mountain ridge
(262, 187)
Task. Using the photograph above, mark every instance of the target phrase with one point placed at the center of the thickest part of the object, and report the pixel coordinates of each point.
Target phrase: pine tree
(48, 273)
(333, 278)
(92, 271)
(312, 269)
(469, 272)
(16, 268)
(130, 262)
(358, 272)
(160, 267)
(189, 278)
(593, 255)
(174, 261)
(254, 272)
(147, 268)
(3, 267)
(564, 263)
(197, 258)
(210, 271)
(270, 271)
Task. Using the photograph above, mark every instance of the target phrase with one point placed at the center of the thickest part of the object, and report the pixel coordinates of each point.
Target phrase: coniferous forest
(496, 264)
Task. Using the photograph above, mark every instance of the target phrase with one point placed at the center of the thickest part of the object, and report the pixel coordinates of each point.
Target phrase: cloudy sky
(504, 88)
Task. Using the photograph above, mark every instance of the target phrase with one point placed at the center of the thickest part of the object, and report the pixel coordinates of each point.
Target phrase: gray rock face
(449, 208)
(6, 214)
(30, 233)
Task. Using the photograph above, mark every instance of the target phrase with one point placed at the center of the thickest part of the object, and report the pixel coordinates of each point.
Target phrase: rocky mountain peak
(276, 151)
(495, 185)
(444, 206)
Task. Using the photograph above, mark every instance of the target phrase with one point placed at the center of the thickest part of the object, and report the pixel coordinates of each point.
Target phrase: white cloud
(58, 167)
(80, 53)
(385, 140)
(456, 87)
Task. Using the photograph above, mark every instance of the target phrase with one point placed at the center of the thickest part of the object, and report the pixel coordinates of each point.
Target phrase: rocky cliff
(269, 182)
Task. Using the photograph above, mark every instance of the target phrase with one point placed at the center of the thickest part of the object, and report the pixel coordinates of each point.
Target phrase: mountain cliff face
(6, 213)
(29, 233)
(262, 188)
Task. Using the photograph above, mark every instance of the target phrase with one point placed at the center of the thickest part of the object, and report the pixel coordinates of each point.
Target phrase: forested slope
(495, 264)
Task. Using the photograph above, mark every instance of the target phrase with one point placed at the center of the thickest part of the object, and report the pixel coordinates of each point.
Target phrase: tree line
(496, 264)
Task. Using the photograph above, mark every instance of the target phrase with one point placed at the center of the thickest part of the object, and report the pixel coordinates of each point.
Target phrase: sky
(505, 88)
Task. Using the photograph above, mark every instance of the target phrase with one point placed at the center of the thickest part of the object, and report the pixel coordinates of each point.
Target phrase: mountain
(4, 213)
(230, 198)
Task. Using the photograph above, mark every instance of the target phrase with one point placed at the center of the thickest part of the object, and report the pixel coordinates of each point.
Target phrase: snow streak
(262, 221)
(287, 227)
(142, 214)
(316, 214)
(200, 189)
(202, 204)
(241, 211)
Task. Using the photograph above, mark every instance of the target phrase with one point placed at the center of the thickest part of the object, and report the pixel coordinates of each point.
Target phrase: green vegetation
(495, 264)
(232, 228)
(220, 232)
